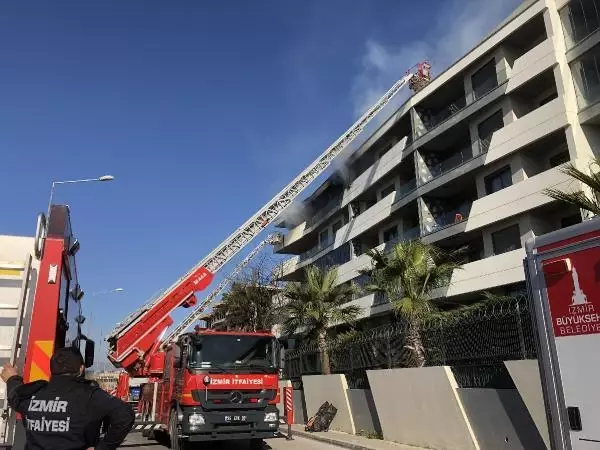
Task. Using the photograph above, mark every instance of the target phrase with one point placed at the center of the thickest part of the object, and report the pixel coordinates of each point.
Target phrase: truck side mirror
(90, 347)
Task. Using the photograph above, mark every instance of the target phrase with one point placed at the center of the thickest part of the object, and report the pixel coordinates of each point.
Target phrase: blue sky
(201, 110)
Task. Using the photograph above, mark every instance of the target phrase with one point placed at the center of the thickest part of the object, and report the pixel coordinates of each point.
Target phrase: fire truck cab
(218, 385)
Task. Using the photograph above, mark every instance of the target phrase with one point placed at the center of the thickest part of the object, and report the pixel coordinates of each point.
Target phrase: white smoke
(456, 26)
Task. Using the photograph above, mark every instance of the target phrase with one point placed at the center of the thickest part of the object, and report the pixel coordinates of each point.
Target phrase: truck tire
(176, 442)
(256, 444)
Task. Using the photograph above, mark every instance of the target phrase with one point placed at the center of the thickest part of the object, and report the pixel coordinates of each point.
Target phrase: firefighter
(66, 412)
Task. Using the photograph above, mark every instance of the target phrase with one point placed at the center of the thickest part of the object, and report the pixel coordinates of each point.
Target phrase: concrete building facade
(465, 160)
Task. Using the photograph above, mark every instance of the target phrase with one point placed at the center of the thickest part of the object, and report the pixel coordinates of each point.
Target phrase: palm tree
(317, 303)
(249, 307)
(407, 275)
(579, 198)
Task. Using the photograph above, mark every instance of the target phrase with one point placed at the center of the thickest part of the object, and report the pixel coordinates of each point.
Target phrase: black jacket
(65, 413)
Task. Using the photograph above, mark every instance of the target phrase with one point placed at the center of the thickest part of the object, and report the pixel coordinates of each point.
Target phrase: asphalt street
(137, 442)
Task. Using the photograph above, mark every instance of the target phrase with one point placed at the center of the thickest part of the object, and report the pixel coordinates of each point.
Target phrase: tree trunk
(414, 343)
(322, 342)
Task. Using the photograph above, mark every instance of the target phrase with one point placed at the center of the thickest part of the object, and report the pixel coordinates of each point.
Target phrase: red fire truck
(136, 344)
(41, 304)
(216, 386)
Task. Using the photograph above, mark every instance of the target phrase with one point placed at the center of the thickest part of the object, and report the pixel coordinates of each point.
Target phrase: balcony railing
(453, 217)
(445, 113)
(452, 162)
(406, 188)
(409, 235)
(337, 257)
(313, 251)
(330, 206)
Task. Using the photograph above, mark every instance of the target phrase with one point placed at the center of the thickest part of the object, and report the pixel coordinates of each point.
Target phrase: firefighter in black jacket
(65, 413)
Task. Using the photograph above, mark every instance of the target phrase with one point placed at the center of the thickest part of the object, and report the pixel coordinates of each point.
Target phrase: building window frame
(503, 175)
(509, 233)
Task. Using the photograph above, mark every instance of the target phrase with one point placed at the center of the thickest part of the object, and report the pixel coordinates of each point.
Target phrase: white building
(484, 139)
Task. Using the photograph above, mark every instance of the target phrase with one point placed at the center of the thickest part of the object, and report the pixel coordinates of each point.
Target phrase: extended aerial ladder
(196, 314)
(133, 338)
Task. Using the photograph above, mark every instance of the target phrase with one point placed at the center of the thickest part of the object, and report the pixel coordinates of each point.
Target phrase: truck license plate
(235, 418)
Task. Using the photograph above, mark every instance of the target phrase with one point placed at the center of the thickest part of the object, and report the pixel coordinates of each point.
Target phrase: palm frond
(577, 198)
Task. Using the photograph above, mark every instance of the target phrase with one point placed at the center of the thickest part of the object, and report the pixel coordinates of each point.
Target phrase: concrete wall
(494, 271)
(535, 125)
(532, 63)
(319, 389)
(420, 407)
(300, 415)
(376, 172)
(516, 199)
(364, 413)
(500, 419)
(526, 377)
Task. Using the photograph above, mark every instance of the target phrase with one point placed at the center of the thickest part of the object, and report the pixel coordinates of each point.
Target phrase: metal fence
(474, 343)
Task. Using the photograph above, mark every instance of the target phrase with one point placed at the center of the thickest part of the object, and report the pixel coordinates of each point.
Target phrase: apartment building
(464, 161)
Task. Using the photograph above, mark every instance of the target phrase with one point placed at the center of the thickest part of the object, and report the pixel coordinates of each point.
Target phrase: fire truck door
(566, 295)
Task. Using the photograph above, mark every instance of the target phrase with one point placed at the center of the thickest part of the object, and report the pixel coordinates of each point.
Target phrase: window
(506, 240)
(485, 79)
(570, 220)
(390, 234)
(560, 158)
(586, 74)
(487, 127)
(580, 18)
(498, 180)
(388, 190)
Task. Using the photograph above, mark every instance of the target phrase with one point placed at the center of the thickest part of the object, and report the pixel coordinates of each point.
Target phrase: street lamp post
(85, 180)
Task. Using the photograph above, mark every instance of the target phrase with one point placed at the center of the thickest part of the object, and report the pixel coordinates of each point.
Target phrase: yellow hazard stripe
(10, 272)
(40, 362)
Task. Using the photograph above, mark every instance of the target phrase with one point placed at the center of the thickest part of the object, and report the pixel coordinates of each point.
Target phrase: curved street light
(83, 180)
(109, 291)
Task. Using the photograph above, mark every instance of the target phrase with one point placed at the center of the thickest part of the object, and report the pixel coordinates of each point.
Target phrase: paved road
(137, 442)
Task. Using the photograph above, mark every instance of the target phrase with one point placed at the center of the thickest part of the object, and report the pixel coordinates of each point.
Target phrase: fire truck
(136, 344)
(217, 386)
(563, 275)
(40, 302)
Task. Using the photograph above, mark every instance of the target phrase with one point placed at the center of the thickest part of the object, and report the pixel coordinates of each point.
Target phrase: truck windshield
(231, 352)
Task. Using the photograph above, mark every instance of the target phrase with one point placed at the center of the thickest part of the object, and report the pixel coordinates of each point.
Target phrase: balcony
(376, 171)
(431, 172)
(529, 128)
(446, 219)
(432, 120)
(519, 198)
(485, 274)
(528, 66)
(333, 205)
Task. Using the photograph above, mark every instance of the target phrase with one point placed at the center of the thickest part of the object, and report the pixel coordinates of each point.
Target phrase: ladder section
(134, 335)
(198, 311)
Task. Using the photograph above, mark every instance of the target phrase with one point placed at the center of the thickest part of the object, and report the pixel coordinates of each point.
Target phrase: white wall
(319, 389)
(420, 407)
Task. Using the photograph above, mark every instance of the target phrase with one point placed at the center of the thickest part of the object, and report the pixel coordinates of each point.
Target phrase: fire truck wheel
(176, 442)
(256, 444)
